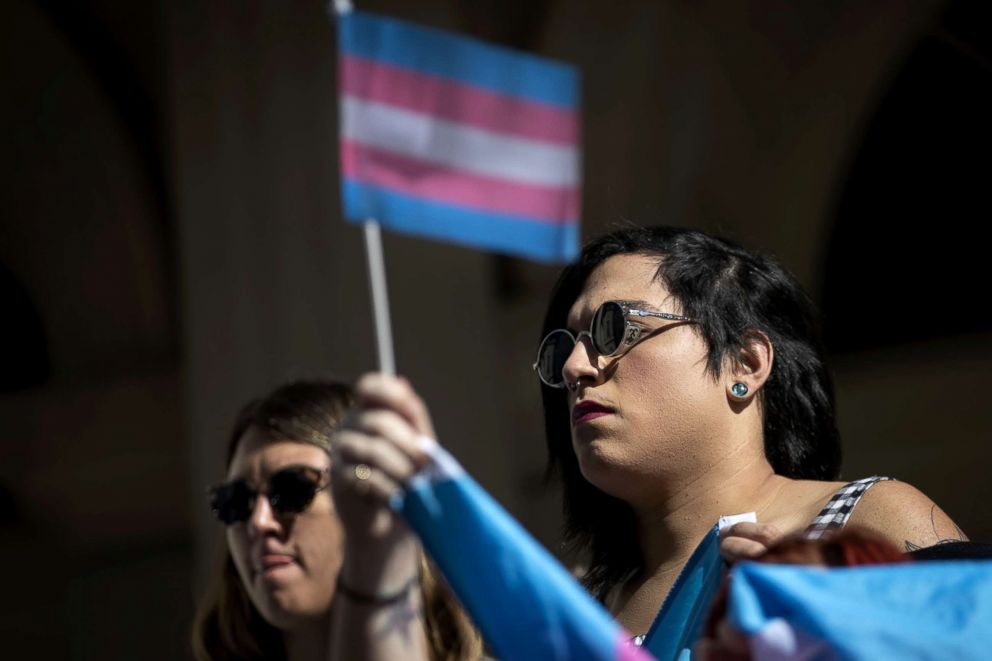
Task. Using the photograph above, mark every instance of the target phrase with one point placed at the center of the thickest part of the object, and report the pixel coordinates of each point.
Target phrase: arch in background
(905, 255)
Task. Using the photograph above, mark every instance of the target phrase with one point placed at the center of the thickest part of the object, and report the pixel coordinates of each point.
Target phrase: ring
(362, 474)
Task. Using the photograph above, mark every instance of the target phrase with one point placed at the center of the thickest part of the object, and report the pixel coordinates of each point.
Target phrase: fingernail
(425, 443)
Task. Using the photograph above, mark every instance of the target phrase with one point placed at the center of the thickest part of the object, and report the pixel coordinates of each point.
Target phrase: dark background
(171, 245)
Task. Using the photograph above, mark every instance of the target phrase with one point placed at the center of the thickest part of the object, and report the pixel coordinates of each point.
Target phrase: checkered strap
(838, 509)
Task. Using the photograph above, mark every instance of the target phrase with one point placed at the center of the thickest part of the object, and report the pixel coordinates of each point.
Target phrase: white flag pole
(377, 267)
(380, 298)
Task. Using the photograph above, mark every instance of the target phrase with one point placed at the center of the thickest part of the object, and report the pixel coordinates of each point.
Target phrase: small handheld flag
(450, 138)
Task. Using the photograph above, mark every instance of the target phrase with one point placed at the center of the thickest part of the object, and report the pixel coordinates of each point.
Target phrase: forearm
(378, 608)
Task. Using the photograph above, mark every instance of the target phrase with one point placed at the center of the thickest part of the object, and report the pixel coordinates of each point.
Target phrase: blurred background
(171, 245)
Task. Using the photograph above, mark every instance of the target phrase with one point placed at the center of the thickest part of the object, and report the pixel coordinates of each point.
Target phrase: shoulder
(905, 516)
(798, 502)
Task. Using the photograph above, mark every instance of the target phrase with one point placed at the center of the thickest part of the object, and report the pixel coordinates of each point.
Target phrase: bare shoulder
(905, 515)
(799, 502)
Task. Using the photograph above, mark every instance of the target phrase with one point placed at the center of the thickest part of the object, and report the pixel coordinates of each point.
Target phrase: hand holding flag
(525, 603)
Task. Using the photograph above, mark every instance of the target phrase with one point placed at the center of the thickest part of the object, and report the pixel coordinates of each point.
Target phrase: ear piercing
(739, 389)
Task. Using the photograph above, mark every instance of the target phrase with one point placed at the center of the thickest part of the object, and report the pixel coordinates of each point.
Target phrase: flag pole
(377, 265)
(380, 298)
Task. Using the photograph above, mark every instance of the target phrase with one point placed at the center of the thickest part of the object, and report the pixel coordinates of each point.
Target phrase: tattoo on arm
(961, 537)
(404, 618)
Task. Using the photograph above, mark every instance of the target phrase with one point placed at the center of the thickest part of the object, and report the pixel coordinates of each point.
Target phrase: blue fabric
(524, 602)
(503, 233)
(680, 621)
(925, 610)
(466, 60)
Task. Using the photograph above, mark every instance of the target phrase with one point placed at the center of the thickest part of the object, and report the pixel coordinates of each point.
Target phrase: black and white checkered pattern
(838, 509)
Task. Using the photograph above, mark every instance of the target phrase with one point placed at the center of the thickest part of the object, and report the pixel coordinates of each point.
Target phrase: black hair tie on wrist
(379, 598)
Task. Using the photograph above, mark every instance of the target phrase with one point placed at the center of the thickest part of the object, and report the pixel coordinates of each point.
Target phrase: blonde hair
(450, 634)
(227, 624)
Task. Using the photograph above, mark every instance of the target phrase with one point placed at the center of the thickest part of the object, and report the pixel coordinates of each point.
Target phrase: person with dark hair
(281, 568)
(700, 391)
(683, 380)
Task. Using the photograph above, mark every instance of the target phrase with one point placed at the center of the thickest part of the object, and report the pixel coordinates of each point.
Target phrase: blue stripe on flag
(513, 235)
(460, 58)
(680, 621)
(524, 602)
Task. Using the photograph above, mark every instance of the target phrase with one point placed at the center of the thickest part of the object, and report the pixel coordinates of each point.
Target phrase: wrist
(381, 568)
(377, 598)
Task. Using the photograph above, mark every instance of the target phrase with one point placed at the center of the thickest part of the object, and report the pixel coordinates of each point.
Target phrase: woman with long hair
(280, 574)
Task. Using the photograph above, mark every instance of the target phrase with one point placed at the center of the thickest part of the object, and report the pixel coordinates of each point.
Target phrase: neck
(670, 528)
(308, 642)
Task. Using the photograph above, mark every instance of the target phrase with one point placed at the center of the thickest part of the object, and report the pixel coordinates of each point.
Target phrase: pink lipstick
(586, 411)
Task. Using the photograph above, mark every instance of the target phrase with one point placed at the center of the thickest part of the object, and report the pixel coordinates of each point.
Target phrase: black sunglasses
(290, 491)
(609, 330)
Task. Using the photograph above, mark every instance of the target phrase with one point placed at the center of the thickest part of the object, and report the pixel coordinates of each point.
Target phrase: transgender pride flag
(450, 138)
(526, 604)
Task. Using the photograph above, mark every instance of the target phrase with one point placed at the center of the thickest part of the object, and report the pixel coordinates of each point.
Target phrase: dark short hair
(732, 294)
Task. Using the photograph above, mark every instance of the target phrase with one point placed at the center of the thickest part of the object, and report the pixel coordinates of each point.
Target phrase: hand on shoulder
(905, 516)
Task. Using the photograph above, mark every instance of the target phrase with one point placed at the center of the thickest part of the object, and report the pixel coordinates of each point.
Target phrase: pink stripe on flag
(438, 183)
(628, 651)
(455, 101)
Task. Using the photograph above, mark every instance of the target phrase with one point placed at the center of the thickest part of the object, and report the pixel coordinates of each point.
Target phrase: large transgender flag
(450, 138)
(526, 604)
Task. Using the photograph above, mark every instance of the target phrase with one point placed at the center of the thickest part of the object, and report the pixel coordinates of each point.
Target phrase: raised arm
(378, 610)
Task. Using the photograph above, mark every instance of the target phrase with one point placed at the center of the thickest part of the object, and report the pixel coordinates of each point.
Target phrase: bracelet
(379, 598)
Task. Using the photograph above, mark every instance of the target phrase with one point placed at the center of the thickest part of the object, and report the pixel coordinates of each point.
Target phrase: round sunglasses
(609, 330)
(290, 491)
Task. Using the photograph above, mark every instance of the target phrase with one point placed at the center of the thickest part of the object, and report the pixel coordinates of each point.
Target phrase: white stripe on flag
(441, 467)
(456, 145)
